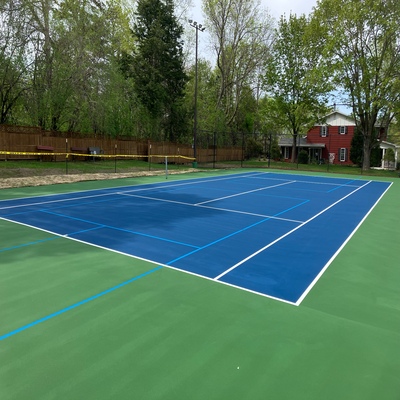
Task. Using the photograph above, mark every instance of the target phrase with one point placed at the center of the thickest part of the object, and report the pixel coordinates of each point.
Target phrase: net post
(66, 156)
(115, 158)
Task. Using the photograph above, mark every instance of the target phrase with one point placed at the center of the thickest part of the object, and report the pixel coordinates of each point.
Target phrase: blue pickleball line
(236, 233)
(340, 186)
(27, 244)
(114, 228)
(79, 303)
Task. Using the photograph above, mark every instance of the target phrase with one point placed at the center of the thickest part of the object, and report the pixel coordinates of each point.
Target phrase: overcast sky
(276, 7)
(280, 7)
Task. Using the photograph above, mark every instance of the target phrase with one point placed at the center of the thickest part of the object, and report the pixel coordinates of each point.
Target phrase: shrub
(303, 157)
(253, 148)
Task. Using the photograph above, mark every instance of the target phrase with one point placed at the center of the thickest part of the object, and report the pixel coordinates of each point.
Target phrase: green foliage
(241, 33)
(356, 149)
(158, 70)
(64, 70)
(303, 157)
(296, 78)
(361, 45)
(390, 155)
(275, 149)
(253, 148)
(376, 157)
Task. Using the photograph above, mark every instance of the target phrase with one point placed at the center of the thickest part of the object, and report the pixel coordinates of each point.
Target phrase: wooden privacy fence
(24, 143)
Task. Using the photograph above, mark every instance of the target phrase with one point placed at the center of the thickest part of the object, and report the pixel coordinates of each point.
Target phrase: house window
(342, 130)
(287, 152)
(342, 154)
(323, 131)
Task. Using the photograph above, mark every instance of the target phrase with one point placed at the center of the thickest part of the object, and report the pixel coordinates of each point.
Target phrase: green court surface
(170, 335)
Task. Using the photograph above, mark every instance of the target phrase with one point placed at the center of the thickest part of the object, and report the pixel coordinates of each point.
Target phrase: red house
(330, 141)
(336, 135)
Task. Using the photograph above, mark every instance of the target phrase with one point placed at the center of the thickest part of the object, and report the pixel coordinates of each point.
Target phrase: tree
(15, 60)
(270, 126)
(296, 78)
(87, 43)
(158, 70)
(241, 34)
(362, 44)
(356, 149)
(59, 63)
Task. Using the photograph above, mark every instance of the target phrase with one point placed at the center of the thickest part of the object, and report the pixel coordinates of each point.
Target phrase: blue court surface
(269, 233)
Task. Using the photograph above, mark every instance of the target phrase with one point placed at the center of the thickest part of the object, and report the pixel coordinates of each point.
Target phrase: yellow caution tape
(27, 153)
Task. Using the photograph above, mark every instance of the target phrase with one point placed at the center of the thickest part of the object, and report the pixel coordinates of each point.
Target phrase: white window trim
(342, 154)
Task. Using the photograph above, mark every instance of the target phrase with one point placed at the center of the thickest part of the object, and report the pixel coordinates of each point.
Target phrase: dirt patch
(23, 178)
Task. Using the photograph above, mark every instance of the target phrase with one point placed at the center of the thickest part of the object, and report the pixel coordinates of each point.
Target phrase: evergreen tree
(356, 149)
(158, 66)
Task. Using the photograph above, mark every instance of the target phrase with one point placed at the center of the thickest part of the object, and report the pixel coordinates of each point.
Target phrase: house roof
(337, 118)
(287, 141)
(384, 144)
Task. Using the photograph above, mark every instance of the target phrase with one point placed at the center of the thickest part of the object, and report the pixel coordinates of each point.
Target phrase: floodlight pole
(198, 28)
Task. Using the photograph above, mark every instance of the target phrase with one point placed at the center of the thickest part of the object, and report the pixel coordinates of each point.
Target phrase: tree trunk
(366, 157)
(294, 149)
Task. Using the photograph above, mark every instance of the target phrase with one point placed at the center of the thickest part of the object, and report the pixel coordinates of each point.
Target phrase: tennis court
(256, 231)
(89, 265)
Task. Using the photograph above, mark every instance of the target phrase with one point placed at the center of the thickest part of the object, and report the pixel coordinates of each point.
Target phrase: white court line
(149, 261)
(202, 276)
(316, 279)
(56, 201)
(242, 193)
(314, 182)
(199, 205)
(253, 214)
(287, 233)
(115, 191)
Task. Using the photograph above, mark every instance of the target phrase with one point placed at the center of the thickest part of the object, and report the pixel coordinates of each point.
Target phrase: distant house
(315, 150)
(336, 133)
(331, 142)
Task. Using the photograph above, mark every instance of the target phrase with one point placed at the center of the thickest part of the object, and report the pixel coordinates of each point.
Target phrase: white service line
(242, 193)
(199, 205)
(57, 201)
(316, 182)
(116, 191)
(288, 233)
